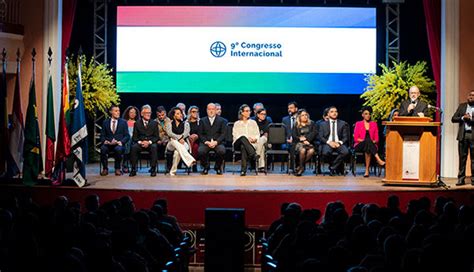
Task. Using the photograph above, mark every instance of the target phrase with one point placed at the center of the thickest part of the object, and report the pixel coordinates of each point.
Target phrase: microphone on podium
(435, 108)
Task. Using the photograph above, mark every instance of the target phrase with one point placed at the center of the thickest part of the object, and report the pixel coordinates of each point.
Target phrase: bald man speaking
(414, 106)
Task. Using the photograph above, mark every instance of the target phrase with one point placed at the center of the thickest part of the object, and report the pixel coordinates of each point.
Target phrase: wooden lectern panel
(426, 132)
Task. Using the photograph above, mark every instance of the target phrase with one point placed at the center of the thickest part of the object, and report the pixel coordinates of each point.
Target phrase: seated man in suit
(414, 106)
(212, 129)
(289, 122)
(161, 119)
(334, 137)
(145, 137)
(114, 136)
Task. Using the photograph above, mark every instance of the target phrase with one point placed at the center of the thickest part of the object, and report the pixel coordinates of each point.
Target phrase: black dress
(366, 146)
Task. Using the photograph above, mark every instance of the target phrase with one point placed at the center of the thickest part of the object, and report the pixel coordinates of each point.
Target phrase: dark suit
(465, 139)
(342, 133)
(142, 133)
(287, 122)
(421, 106)
(121, 135)
(215, 132)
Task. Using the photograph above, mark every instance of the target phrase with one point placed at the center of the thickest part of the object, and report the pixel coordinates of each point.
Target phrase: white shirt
(211, 120)
(112, 124)
(469, 110)
(248, 129)
(331, 124)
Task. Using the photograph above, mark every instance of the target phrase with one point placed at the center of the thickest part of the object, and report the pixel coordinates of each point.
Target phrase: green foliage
(386, 91)
(98, 87)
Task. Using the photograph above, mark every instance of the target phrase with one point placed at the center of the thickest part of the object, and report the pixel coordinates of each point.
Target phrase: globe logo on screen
(218, 49)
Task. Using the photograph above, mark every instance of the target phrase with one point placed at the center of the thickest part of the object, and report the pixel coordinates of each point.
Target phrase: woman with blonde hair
(303, 134)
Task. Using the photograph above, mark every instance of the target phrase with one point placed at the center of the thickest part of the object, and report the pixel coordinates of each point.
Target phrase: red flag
(63, 148)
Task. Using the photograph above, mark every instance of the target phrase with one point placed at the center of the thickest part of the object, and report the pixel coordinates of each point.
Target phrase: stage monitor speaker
(224, 240)
(393, 1)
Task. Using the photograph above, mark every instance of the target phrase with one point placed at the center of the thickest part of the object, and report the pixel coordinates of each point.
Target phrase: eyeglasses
(262, 113)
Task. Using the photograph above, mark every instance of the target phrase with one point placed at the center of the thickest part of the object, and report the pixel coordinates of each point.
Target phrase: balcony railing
(10, 17)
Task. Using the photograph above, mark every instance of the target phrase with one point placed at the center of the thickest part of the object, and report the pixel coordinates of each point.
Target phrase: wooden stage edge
(232, 182)
(189, 195)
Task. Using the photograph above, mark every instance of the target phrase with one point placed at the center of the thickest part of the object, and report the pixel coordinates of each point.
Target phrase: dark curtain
(69, 9)
(432, 10)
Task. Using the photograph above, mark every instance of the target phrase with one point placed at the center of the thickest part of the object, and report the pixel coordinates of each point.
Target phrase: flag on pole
(50, 128)
(63, 148)
(79, 134)
(16, 139)
(4, 154)
(32, 164)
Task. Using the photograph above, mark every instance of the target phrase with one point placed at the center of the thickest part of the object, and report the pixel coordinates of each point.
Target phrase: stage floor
(275, 181)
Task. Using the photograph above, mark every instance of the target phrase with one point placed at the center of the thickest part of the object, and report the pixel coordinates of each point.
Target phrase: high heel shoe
(366, 175)
(243, 173)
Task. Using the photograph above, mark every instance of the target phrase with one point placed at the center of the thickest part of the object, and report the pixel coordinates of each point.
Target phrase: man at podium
(414, 106)
(463, 116)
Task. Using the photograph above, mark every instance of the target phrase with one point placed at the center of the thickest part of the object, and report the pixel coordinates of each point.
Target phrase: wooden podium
(411, 151)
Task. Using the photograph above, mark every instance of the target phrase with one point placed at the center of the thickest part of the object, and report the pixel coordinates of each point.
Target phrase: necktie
(292, 122)
(333, 131)
(146, 124)
(114, 126)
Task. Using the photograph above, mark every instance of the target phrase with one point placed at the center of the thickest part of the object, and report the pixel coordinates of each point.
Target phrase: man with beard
(289, 121)
(463, 116)
(414, 106)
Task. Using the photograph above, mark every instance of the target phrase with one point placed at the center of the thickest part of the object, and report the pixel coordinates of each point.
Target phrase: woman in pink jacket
(366, 138)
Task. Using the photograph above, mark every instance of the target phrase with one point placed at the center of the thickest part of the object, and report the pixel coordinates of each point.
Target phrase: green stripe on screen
(237, 82)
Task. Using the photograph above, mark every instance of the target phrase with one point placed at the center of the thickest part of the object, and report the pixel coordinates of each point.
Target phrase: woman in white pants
(178, 132)
(263, 124)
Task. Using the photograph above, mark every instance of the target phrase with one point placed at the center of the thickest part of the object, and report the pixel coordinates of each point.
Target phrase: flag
(79, 134)
(63, 148)
(32, 164)
(16, 139)
(50, 130)
(3, 114)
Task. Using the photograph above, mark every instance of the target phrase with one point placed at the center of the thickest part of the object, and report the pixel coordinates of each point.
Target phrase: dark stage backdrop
(414, 47)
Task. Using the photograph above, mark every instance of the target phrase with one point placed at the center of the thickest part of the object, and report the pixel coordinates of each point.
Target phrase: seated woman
(193, 120)
(178, 132)
(303, 134)
(131, 116)
(245, 134)
(366, 138)
(263, 124)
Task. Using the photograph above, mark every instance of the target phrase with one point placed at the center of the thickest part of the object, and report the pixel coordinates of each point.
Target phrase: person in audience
(193, 120)
(414, 106)
(463, 116)
(161, 120)
(212, 129)
(303, 135)
(289, 121)
(178, 131)
(131, 116)
(114, 136)
(218, 109)
(334, 136)
(256, 107)
(182, 106)
(145, 137)
(366, 138)
(263, 125)
(245, 135)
